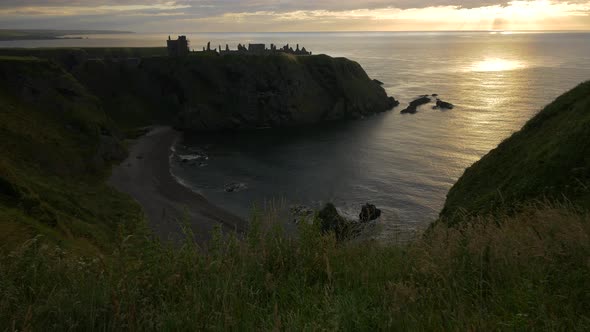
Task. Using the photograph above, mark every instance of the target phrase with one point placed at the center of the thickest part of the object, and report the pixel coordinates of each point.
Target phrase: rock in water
(331, 221)
(393, 102)
(409, 110)
(444, 104)
(235, 187)
(369, 212)
(302, 213)
(413, 106)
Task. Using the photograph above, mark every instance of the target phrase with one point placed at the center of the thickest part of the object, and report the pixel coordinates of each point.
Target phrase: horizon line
(317, 31)
(371, 31)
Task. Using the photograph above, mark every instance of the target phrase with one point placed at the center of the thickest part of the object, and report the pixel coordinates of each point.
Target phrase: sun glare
(496, 64)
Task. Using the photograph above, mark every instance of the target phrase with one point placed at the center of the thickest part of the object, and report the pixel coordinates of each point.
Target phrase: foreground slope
(548, 159)
(456, 279)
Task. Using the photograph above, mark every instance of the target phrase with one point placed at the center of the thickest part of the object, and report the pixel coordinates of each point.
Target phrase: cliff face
(236, 92)
(549, 158)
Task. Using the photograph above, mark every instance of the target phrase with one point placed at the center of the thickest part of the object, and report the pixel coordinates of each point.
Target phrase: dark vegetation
(529, 272)
(56, 143)
(75, 255)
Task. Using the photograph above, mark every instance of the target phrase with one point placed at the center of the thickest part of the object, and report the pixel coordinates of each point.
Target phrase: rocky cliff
(548, 159)
(235, 92)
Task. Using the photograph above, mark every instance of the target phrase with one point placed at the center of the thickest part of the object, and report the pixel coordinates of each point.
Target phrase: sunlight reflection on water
(496, 64)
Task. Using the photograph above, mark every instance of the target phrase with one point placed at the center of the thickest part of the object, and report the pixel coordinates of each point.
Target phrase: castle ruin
(260, 49)
(178, 47)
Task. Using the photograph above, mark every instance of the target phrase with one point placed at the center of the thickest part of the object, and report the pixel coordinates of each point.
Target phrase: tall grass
(526, 272)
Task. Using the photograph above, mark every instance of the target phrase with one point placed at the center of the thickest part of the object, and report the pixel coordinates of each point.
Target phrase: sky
(295, 15)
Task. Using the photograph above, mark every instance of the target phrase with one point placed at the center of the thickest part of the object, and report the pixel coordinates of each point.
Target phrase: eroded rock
(235, 187)
(444, 105)
(413, 106)
(369, 212)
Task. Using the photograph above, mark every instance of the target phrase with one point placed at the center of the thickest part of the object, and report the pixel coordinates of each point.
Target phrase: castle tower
(178, 47)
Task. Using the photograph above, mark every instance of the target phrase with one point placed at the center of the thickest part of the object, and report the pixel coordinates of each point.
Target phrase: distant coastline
(18, 34)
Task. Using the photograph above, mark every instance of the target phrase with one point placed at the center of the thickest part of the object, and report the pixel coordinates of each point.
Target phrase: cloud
(205, 8)
(222, 6)
(281, 14)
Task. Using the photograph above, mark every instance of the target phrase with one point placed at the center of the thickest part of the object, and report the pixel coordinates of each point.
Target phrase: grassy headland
(204, 91)
(549, 159)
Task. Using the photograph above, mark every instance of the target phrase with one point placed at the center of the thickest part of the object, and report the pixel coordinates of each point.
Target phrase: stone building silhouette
(256, 48)
(178, 47)
(260, 49)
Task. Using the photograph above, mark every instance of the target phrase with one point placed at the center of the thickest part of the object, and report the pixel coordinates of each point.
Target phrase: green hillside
(549, 159)
(56, 147)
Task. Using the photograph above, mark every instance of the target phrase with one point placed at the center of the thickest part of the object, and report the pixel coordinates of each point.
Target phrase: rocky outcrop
(235, 187)
(207, 93)
(276, 91)
(444, 105)
(369, 212)
(413, 106)
(344, 229)
(393, 102)
(332, 222)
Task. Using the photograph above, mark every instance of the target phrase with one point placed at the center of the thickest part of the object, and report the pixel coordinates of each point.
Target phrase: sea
(403, 163)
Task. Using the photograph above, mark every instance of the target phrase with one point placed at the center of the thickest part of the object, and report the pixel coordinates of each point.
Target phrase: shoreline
(145, 175)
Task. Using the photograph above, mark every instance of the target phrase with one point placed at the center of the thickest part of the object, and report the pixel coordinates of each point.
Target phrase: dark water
(404, 164)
